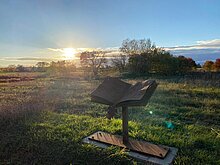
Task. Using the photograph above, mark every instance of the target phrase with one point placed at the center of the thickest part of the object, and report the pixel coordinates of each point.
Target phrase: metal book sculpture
(117, 93)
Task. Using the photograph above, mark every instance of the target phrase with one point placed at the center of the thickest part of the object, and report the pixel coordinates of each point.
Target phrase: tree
(119, 62)
(93, 60)
(11, 68)
(62, 68)
(145, 57)
(131, 47)
(185, 64)
(162, 62)
(208, 65)
(42, 66)
(192, 63)
(139, 53)
(138, 64)
(20, 68)
(217, 65)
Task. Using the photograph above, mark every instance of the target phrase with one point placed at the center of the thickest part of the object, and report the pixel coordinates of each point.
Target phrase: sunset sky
(40, 30)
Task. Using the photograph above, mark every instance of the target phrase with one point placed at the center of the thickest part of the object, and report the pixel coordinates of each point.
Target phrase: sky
(40, 30)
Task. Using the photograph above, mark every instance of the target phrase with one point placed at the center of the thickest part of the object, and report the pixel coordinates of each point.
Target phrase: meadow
(43, 120)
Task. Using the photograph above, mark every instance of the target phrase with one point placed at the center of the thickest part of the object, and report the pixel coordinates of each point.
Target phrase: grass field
(44, 120)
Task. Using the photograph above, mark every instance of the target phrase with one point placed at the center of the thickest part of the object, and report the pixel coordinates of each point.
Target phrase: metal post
(125, 124)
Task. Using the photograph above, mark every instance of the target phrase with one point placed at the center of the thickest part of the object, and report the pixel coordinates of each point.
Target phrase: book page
(110, 91)
(137, 91)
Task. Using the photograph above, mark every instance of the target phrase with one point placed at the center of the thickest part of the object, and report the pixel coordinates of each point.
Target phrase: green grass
(44, 121)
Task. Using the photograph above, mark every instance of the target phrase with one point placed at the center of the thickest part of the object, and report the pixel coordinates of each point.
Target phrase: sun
(69, 53)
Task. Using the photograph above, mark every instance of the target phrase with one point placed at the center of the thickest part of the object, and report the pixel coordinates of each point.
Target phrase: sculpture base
(133, 145)
(141, 150)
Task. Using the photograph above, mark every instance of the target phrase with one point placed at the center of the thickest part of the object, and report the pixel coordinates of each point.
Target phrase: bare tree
(93, 60)
(119, 62)
(131, 47)
(42, 66)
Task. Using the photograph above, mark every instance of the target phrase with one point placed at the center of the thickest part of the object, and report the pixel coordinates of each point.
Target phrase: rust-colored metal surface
(133, 145)
(114, 92)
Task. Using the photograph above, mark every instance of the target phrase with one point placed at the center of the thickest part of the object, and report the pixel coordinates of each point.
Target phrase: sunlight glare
(69, 53)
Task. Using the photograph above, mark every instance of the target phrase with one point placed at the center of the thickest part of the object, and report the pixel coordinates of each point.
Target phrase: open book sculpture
(117, 93)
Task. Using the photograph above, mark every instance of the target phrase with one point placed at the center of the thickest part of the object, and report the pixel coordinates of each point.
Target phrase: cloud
(206, 44)
(27, 59)
(215, 42)
(201, 51)
(79, 50)
(110, 51)
(55, 50)
(37, 59)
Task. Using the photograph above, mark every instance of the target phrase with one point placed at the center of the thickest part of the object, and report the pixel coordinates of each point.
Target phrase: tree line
(59, 66)
(143, 57)
(139, 57)
(135, 57)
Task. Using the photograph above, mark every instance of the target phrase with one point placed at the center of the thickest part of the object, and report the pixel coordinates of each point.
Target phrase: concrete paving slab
(142, 157)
